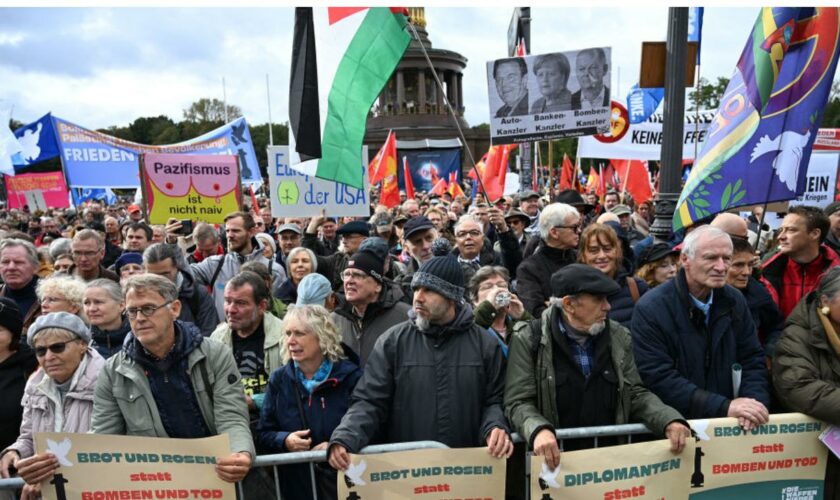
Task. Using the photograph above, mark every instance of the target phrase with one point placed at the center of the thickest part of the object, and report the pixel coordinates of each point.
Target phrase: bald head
(731, 224)
(607, 217)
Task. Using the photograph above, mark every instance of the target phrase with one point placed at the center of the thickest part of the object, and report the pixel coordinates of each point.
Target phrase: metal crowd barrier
(312, 457)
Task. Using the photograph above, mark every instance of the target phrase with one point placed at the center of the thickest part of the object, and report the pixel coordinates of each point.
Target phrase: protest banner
(430, 474)
(98, 467)
(39, 191)
(782, 459)
(535, 98)
(820, 180)
(428, 164)
(643, 141)
(92, 159)
(294, 194)
(641, 470)
(197, 187)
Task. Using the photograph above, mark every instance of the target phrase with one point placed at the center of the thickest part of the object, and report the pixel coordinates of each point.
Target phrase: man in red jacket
(802, 259)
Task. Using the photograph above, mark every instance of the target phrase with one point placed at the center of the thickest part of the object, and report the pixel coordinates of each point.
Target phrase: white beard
(597, 328)
(422, 323)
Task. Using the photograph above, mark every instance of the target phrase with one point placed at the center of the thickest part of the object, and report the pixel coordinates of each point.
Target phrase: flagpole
(550, 170)
(451, 113)
(270, 125)
(224, 99)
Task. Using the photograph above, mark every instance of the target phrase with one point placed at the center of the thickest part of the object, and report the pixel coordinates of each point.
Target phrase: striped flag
(333, 84)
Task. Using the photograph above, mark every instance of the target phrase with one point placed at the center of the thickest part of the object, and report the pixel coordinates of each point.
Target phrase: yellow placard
(424, 474)
(98, 467)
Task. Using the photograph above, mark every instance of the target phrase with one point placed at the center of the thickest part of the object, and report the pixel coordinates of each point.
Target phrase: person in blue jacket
(695, 341)
(307, 397)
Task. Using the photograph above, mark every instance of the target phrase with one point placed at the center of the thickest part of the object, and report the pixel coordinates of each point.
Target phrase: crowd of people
(440, 319)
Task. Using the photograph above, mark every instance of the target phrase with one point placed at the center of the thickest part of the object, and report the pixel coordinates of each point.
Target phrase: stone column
(421, 89)
(460, 94)
(400, 92)
(439, 92)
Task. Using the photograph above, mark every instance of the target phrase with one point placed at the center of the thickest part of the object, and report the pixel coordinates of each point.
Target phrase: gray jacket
(231, 262)
(124, 403)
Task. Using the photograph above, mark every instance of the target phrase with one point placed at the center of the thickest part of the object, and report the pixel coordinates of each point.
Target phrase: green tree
(831, 117)
(259, 135)
(210, 110)
(709, 94)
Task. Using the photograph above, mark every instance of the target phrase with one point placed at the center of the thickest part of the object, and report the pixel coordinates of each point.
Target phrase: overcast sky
(99, 67)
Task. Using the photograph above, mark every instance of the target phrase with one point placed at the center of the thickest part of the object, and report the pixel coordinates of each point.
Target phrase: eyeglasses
(146, 311)
(50, 300)
(576, 228)
(475, 233)
(354, 274)
(56, 348)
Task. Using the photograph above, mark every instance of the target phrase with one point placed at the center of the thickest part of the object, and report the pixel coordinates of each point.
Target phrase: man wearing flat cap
(574, 367)
(351, 235)
(435, 377)
(370, 306)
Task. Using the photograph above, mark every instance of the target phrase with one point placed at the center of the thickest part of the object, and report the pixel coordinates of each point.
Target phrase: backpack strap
(634, 289)
(218, 270)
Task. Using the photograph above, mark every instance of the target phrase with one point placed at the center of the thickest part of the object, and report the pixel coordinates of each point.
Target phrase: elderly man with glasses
(473, 249)
(560, 227)
(171, 381)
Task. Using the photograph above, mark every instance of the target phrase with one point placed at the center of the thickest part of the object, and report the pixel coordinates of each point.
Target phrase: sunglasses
(56, 348)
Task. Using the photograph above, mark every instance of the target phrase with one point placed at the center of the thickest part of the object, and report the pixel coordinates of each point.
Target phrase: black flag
(304, 115)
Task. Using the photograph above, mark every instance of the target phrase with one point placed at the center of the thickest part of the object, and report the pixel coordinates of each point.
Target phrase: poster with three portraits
(549, 96)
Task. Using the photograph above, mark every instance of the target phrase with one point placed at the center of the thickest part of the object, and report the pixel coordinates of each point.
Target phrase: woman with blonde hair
(61, 293)
(307, 397)
(658, 263)
(601, 249)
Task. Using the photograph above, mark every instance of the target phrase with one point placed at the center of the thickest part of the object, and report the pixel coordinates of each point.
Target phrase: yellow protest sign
(781, 459)
(196, 187)
(428, 474)
(100, 467)
(641, 470)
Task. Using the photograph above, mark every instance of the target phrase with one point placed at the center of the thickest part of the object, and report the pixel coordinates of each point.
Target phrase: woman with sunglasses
(60, 391)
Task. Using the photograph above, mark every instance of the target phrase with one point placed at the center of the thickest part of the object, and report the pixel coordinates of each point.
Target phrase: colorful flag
(695, 27)
(331, 93)
(385, 161)
(439, 187)
(759, 144)
(407, 180)
(455, 188)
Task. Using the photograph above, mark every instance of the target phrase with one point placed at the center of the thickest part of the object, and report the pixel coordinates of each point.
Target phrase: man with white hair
(695, 341)
(560, 227)
(474, 250)
(18, 265)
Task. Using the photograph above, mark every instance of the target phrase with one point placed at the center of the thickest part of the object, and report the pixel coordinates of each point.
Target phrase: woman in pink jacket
(57, 398)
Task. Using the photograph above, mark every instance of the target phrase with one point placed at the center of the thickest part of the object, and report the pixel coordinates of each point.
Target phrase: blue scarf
(320, 376)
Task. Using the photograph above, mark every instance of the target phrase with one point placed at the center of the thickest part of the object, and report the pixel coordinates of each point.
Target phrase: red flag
(407, 180)
(455, 188)
(567, 174)
(255, 207)
(494, 172)
(439, 187)
(602, 184)
(385, 161)
(521, 49)
(634, 178)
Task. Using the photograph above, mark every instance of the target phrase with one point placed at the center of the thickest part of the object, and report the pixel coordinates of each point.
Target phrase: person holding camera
(495, 307)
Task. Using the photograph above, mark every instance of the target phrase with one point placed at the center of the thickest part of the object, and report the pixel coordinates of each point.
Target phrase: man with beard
(437, 376)
(215, 271)
(591, 359)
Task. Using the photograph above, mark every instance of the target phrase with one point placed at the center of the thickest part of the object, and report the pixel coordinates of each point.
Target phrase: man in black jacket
(435, 377)
(560, 228)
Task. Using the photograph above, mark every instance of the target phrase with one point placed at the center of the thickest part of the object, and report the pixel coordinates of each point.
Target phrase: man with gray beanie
(370, 304)
(437, 376)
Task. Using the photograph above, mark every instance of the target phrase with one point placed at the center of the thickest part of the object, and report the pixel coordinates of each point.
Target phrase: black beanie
(368, 262)
(11, 320)
(442, 275)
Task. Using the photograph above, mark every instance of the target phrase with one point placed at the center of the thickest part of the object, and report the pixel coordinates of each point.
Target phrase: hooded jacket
(273, 328)
(688, 363)
(361, 334)
(230, 264)
(806, 375)
(323, 410)
(125, 404)
(43, 410)
(788, 281)
(530, 395)
(445, 384)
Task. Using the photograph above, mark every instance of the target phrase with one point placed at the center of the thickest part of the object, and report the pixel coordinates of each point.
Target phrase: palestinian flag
(342, 57)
